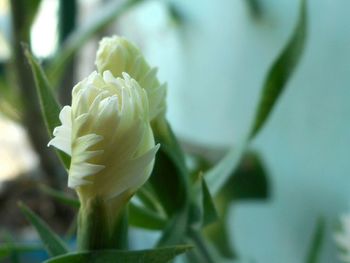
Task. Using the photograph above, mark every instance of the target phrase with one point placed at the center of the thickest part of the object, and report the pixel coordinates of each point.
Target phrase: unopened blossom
(119, 55)
(107, 133)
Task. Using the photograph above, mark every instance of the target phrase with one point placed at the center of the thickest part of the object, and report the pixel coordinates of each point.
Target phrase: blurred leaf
(10, 104)
(176, 14)
(276, 80)
(209, 211)
(143, 218)
(255, 7)
(13, 253)
(165, 181)
(249, 181)
(218, 175)
(50, 108)
(148, 198)
(281, 71)
(6, 249)
(175, 230)
(160, 255)
(218, 234)
(170, 177)
(102, 18)
(61, 197)
(32, 8)
(317, 240)
(53, 244)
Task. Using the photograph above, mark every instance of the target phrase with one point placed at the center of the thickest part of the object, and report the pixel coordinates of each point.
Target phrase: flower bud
(119, 55)
(108, 135)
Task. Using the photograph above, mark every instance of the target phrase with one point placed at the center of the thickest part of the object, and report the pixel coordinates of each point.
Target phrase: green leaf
(49, 106)
(218, 175)
(209, 211)
(160, 255)
(6, 249)
(170, 177)
(60, 197)
(281, 71)
(255, 8)
(53, 244)
(10, 103)
(316, 244)
(32, 8)
(175, 230)
(13, 254)
(144, 218)
(276, 79)
(148, 198)
(167, 184)
(102, 18)
(249, 181)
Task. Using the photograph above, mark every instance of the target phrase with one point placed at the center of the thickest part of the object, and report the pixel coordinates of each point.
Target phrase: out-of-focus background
(214, 56)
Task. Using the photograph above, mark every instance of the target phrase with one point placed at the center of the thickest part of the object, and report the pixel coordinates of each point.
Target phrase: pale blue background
(215, 68)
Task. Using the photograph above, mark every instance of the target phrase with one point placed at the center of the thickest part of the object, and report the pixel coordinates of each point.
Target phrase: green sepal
(54, 245)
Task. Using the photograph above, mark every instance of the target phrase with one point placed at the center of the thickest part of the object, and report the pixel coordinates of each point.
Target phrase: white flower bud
(119, 55)
(108, 135)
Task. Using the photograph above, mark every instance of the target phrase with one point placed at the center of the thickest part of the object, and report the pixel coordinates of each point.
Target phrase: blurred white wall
(215, 66)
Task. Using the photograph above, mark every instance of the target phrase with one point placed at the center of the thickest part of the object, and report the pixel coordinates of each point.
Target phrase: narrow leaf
(160, 255)
(217, 176)
(7, 249)
(316, 244)
(53, 244)
(102, 18)
(13, 254)
(50, 108)
(148, 198)
(60, 197)
(175, 230)
(281, 71)
(209, 211)
(170, 177)
(276, 79)
(143, 218)
(249, 181)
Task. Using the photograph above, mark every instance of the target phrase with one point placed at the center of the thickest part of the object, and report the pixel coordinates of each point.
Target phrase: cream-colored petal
(63, 134)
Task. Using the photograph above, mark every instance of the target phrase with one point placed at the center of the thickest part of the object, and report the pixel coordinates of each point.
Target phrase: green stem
(99, 227)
